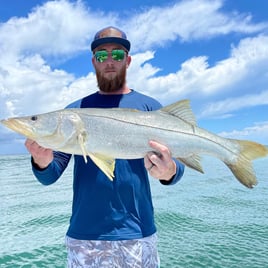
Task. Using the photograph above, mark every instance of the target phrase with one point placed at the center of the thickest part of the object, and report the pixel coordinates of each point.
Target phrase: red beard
(109, 85)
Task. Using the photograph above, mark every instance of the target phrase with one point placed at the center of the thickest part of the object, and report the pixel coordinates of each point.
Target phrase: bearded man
(112, 222)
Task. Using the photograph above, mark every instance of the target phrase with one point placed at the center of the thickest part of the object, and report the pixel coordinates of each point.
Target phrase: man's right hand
(42, 157)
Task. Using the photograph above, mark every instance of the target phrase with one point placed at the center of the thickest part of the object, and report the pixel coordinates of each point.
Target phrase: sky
(212, 52)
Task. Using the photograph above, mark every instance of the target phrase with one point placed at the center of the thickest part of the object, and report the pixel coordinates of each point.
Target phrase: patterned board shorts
(137, 253)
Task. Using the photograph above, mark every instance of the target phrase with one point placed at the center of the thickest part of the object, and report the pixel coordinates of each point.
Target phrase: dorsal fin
(182, 110)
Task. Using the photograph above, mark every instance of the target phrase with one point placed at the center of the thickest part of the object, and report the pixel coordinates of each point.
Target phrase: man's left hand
(159, 162)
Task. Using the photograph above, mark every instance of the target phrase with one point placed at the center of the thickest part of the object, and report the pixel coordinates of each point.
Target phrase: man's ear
(128, 61)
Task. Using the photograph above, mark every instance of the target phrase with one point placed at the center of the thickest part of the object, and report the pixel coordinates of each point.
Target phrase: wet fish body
(109, 134)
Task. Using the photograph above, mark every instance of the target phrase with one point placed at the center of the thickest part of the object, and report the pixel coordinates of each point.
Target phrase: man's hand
(160, 165)
(42, 157)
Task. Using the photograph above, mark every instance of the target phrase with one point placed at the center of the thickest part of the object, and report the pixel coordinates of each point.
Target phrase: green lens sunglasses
(117, 55)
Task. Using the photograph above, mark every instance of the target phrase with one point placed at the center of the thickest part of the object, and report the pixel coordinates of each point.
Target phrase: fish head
(49, 130)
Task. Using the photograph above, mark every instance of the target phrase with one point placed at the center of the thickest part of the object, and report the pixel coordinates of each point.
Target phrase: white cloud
(31, 84)
(258, 132)
(187, 21)
(245, 70)
(61, 27)
(55, 28)
(229, 105)
(180, 84)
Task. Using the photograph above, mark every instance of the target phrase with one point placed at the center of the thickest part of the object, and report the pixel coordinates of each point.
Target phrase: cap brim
(117, 40)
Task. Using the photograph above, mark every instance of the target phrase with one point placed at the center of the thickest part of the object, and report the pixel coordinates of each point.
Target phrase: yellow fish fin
(81, 141)
(192, 162)
(243, 168)
(105, 163)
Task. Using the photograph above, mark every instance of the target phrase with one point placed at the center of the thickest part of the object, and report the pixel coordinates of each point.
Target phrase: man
(112, 222)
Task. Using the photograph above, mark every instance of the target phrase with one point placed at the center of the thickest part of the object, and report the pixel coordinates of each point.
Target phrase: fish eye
(34, 118)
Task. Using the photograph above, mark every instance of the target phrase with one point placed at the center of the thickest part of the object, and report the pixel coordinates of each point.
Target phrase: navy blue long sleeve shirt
(121, 209)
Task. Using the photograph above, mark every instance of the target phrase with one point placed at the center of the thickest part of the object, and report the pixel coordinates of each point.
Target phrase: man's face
(111, 74)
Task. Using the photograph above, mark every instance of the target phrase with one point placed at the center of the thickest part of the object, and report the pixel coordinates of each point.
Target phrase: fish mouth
(19, 127)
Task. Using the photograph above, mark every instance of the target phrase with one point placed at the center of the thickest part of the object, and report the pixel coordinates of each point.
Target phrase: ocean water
(206, 220)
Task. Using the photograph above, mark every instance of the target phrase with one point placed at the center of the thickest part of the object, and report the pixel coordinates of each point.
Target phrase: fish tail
(243, 168)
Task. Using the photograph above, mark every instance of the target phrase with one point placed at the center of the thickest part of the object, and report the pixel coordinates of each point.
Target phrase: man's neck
(123, 90)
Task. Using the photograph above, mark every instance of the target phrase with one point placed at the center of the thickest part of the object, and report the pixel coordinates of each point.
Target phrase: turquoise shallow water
(206, 220)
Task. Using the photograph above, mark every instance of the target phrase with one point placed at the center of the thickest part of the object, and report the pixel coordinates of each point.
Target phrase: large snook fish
(107, 134)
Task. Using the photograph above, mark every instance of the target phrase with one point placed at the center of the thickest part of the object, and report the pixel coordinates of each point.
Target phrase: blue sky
(212, 52)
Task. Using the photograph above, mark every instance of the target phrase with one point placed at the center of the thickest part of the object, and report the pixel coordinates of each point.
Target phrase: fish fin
(182, 110)
(81, 141)
(242, 168)
(251, 149)
(105, 163)
(192, 162)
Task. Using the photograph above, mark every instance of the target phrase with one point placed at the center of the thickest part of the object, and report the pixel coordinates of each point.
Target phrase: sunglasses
(117, 55)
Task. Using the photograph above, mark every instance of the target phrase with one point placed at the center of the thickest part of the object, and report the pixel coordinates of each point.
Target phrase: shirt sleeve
(177, 176)
(54, 170)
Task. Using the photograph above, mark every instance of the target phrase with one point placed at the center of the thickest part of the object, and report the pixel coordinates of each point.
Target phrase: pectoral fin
(106, 164)
(81, 141)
